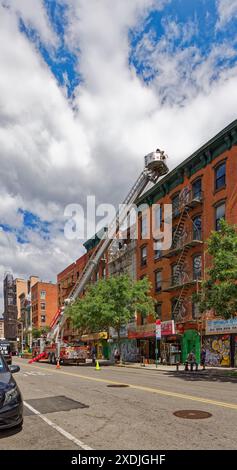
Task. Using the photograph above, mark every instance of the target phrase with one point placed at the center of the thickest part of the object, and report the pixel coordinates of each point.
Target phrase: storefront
(220, 343)
(128, 347)
(170, 348)
(146, 342)
(99, 340)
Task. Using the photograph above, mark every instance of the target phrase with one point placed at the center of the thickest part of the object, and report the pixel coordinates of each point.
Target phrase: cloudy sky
(87, 88)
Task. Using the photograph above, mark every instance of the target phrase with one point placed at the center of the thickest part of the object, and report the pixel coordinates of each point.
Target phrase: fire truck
(54, 347)
(70, 353)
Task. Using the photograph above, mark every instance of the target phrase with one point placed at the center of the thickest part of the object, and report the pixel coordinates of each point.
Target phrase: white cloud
(227, 10)
(34, 15)
(53, 154)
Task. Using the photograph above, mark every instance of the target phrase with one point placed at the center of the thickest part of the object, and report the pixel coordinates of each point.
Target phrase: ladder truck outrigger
(55, 348)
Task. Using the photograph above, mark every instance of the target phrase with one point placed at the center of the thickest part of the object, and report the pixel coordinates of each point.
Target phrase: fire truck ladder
(155, 167)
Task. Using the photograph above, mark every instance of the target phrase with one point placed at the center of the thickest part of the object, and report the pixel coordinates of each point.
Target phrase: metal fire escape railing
(189, 200)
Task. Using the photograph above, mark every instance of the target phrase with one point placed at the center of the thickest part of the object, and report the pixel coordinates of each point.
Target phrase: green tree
(112, 303)
(38, 332)
(219, 291)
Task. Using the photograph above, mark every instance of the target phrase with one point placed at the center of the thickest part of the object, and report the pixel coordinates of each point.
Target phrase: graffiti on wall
(128, 350)
(217, 350)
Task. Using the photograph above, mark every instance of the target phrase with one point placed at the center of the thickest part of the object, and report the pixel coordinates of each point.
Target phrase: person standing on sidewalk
(93, 354)
(203, 358)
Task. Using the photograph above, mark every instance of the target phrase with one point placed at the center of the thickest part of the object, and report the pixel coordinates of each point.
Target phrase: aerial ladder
(155, 167)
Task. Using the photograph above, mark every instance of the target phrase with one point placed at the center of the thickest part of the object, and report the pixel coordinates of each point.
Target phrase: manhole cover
(192, 414)
(55, 404)
(118, 385)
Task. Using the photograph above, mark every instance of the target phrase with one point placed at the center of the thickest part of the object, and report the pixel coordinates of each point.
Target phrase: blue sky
(64, 63)
(86, 91)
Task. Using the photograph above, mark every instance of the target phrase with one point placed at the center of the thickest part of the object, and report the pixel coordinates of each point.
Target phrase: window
(220, 176)
(10, 301)
(157, 253)
(43, 318)
(175, 275)
(143, 256)
(42, 294)
(195, 310)
(220, 214)
(42, 305)
(143, 225)
(174, 308)
(158, 310)
(157, 213)
(175, 205)
(197, 267)
(197, 228)
(197, 189)
(158, 281)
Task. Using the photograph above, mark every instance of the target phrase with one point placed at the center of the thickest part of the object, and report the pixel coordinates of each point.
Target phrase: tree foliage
(38, 332)
(112, 303)
(219, 291)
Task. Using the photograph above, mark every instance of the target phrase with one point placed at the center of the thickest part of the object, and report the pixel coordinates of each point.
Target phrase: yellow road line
(158, 391)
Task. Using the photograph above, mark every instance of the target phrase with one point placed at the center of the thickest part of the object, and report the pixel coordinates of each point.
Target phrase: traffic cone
(58, 364)
(97, 367)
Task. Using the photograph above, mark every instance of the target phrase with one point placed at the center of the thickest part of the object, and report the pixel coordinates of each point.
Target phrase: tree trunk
(119, 346)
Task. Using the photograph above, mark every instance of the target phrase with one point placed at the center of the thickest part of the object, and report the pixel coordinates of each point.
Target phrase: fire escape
(183, 240)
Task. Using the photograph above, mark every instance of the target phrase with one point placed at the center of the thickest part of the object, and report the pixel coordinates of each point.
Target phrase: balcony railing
(192, 238)
(191, 198)
(180, 279)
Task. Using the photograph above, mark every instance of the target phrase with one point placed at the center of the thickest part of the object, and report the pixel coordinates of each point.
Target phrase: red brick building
(44, 303)
(202, 190)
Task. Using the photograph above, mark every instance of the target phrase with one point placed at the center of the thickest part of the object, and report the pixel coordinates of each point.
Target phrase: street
(120, 408)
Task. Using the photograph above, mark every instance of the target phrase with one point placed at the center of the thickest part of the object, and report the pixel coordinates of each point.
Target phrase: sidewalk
(209, 371)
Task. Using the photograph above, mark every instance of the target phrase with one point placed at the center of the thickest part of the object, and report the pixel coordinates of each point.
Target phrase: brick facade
(43, 303)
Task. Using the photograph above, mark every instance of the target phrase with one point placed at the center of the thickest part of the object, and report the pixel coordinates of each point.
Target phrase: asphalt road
(80, 408)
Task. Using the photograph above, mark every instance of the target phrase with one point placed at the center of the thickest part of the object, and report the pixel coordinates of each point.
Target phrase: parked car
(11, 404)
(6, 350)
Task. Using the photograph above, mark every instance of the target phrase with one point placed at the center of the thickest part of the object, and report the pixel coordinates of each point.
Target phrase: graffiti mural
(128, 350)
(217, 350)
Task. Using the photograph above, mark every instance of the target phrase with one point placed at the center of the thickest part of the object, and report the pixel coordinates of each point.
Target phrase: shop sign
(221, 326)
(142, 331)
(167, 328)
(95, 336)
(158, 329)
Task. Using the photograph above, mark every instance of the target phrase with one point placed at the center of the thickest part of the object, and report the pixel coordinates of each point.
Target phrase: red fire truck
(70, 353)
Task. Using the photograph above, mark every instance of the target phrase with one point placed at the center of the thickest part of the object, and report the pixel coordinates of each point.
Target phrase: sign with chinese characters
(221, 326)
(158, 329)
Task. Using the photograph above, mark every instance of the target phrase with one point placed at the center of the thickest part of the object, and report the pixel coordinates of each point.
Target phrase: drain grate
(55, 404)
(118, 385)
(192, 414)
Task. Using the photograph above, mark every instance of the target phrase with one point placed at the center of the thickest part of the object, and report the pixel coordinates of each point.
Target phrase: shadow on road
(201, 376)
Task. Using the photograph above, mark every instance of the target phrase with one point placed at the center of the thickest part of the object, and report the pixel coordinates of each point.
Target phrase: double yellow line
(158, 391)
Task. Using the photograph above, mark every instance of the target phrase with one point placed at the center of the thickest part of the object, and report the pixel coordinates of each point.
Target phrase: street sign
(158, 329)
